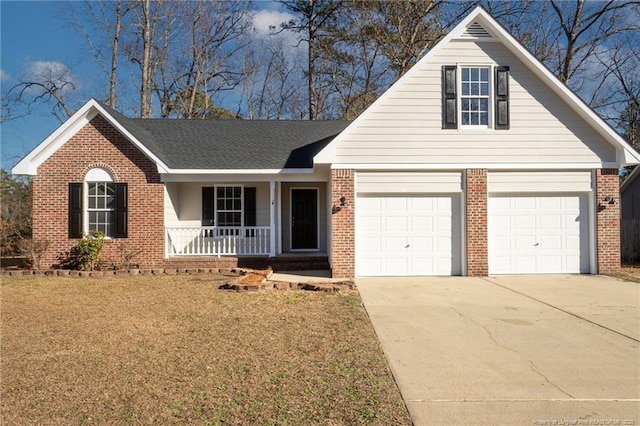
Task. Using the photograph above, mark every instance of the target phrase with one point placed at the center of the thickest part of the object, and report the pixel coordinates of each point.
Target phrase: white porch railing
(218, 241)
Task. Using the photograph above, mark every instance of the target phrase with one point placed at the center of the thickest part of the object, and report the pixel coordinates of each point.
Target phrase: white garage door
(538, 234)
(407, 235)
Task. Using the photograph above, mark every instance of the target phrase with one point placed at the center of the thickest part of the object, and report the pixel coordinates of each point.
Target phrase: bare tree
(213, 33)
(43, 82)
(314, 19)
(586, 26)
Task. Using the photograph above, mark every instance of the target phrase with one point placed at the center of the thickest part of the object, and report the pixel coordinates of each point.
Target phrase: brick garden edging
(235, 282)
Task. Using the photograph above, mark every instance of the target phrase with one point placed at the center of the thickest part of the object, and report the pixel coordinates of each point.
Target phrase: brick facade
(477, 249)
(98, 144)
(343, 224)
(607, 221)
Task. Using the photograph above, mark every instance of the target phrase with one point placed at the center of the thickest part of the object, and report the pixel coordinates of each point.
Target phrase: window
(474, 97)
(229, 206)
(101, 206)
(479, 101)
(98, 204)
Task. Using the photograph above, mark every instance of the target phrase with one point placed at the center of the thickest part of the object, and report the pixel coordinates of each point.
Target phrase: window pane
(474, 118)
(484, 119)
(237, 191)
(237, 205)
(484, 74)
(474, 74)
(465, 74)
(465, 118)
(484, 104)
(474, 104)
(92, 188)
(484, 89)
(220, 192)
(465, 104)
(465, 89)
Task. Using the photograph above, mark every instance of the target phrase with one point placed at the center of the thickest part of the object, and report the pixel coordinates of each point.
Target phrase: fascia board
(237, 171)
(328, 153)
(30, 163)
(633, 176)
(626, 154)
(464, 166)
(162, 167)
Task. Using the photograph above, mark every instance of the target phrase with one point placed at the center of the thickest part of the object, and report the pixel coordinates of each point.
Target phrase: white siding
(183, 206)
(405, 128)
(408, 182)
(556, 181)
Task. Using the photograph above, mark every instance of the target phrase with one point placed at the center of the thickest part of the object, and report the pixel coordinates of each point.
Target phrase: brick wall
(343, 224)
(476, 212)
(98, 144)
(607, 221)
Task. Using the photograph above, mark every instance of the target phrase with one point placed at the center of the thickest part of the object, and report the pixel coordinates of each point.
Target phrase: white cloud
(50, 74)
(3, 75)
(267, 27)
(267, 22)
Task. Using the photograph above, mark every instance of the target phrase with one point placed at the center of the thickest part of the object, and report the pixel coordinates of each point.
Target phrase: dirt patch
(629, 273)
(176, 350)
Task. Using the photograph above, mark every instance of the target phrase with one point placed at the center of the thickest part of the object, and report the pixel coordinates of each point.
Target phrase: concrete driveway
(534, 350)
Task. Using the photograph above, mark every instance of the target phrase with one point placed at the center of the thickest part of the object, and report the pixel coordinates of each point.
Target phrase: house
(477, 161)
(630, 217)
(630, 196)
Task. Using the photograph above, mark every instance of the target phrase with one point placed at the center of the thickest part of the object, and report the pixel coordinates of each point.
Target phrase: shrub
(89, 249)
(34, 250)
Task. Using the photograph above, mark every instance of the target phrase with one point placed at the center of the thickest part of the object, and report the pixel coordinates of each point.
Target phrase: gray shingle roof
(232, 144)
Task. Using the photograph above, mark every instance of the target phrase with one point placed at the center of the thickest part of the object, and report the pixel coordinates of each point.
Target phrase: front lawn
(175, 349)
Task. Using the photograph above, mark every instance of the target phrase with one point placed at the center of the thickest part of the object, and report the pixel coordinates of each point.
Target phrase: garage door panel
(544, 234)
(415, 235)
(551, 222)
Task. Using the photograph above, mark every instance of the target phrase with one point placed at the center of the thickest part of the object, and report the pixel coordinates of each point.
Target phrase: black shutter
(449, 97)
(75, 210)
(502, 97)
(249, 207)
(208, 206)
(121, 211)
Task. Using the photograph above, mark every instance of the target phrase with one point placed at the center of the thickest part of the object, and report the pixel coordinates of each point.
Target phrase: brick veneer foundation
(476, 214)
(343, 259)
(607, 221)
(98, 144)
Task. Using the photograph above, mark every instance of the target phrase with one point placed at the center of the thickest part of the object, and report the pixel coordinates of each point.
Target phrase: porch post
(272, 220)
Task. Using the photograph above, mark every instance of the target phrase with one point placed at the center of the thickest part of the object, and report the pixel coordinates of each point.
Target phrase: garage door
(408, 235)
(538, 234)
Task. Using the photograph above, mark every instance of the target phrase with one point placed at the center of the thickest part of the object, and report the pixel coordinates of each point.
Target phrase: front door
(304, 219)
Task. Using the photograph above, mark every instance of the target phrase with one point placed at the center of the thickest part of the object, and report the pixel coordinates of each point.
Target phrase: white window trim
(490, 118)
(95, 175)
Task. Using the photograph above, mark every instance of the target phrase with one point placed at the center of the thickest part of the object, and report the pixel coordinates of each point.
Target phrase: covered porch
(230, 216)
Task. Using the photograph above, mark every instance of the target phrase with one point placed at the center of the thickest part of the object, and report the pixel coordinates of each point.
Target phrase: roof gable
(30, 163)
(201, 146)
(480, 27)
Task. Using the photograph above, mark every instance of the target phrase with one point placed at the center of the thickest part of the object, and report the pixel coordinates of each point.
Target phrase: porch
(264, 219)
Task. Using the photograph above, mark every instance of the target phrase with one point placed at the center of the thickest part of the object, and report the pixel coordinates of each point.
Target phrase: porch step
(279, 263)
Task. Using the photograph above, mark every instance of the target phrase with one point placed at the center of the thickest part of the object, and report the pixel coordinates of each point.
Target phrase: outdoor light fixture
(343, 201)
(609, 199)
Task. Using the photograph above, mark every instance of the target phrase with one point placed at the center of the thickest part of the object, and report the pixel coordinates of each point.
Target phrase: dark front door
(304, 219)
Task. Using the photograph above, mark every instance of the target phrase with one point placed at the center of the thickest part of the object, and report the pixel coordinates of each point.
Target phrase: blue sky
(36, 31)
(32, 31)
